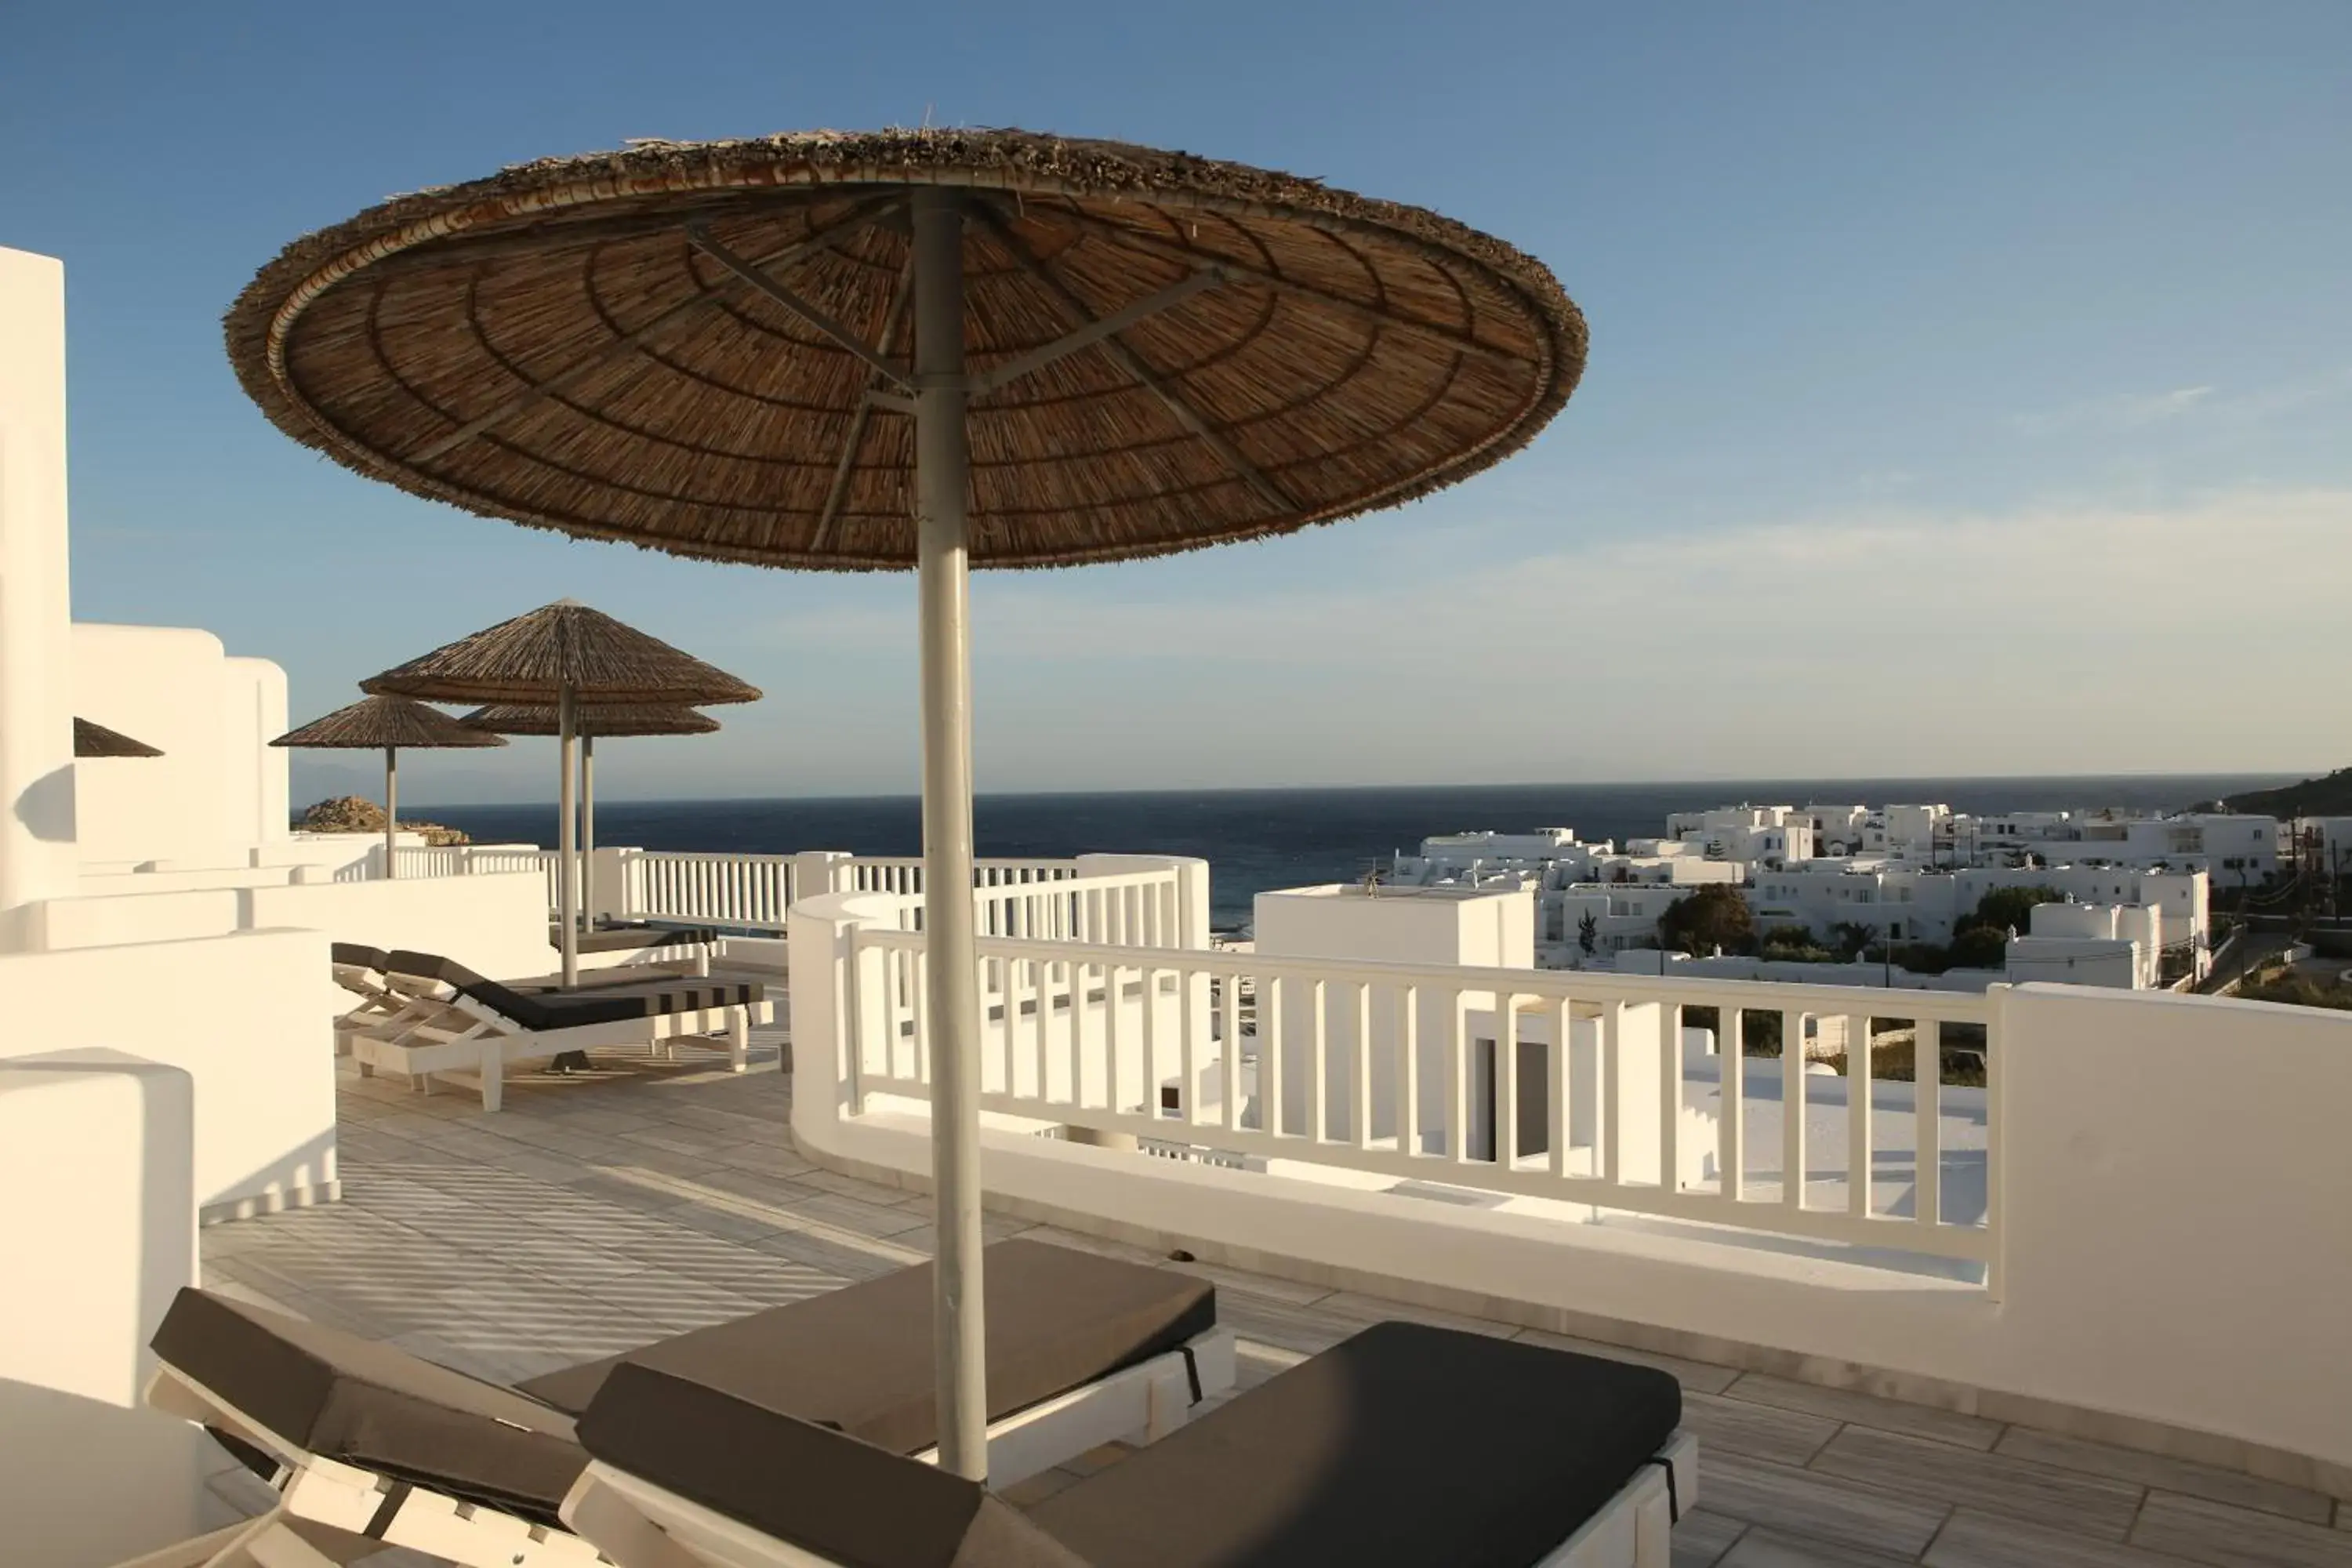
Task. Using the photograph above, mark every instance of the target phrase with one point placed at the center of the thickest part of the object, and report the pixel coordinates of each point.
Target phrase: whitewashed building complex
(1901, 874)
(2083, 1288)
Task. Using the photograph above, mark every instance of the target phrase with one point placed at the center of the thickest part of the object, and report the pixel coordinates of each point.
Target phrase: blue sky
(1969, 388)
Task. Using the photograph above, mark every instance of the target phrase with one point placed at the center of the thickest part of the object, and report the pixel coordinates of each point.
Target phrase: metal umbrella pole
(587, 831)
(391, 810)
(567, 710)
(944, 561)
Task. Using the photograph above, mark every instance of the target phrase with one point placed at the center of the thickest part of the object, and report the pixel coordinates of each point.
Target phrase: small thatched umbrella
(624, 719)
(569, 656)
(704, 349)
(95, 740)
(391, 725)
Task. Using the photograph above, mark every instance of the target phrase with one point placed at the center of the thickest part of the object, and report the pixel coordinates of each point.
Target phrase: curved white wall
(219, 788)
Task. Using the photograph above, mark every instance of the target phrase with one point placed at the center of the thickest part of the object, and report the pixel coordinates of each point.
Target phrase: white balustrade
(1573, 1087)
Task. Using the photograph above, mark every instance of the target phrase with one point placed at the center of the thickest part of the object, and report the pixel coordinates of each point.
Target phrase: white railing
(1056, 899)
(459, 860)
(904, 873)
(1572, 1087)
(751, 892)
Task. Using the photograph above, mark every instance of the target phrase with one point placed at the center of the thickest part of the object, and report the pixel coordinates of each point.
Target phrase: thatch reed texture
(552, 345)
(531, 658)
(93, 740)
(595, 723)
(385, 723)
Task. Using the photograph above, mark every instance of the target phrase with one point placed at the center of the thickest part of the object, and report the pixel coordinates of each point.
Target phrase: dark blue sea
(1256, 839)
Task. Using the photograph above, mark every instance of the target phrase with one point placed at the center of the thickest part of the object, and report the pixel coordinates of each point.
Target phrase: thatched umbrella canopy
(534, 658)
(95, 740)
(390, 725)
(568, 656)
(612, 720)
(596, 720)
(910, 348)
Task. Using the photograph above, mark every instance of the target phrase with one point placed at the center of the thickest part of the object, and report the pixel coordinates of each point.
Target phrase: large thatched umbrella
(626, 718)
(1116, 352)
(95, 740)
(390, 725)
(566, 655)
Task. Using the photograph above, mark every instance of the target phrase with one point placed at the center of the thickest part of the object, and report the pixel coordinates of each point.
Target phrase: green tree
(1852, 938)
(1711, 916)
(1980, 947)
(2005, 908)
(1588, 933)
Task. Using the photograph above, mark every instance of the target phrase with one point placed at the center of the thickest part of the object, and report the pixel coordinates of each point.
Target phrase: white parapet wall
(219, 788)
(2161, 1180)
(96, 1151)
(239, 1013)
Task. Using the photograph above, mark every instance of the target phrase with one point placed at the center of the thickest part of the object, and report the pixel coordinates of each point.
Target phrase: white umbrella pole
(951, 993)
(587, 831)
(391, 810)
(567, 837)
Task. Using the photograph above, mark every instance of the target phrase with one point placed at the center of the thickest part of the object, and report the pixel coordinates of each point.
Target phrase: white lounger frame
(379, 1003)
(330, 1513)
(640, 1525)
(458, 1038)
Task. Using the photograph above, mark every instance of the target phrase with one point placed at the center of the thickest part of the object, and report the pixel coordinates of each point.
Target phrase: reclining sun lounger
(361, 971)
(1405, 1447)
(456, 1023)
(631, 945)
(370, 1446)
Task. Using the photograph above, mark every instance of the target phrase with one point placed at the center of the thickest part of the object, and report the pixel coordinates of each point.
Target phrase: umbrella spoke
(538, 392)
(863, 414)
(1133, 362)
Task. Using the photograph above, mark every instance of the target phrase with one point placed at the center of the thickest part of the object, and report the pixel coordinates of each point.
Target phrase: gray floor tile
(1974, 1539)
(1758, 1431)
(1868, 1410)
(1703, 1536)
(1916, 1468)
(2214, 1532)
(2171, 1475)
(1363, 1309)
(1812, 1506)
(1762, 1547)
(1695, 1376)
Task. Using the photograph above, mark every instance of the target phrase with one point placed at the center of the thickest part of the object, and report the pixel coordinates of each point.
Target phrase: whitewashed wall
(97, 1155)
(2176, 1260)
(240, 1014)
(218, 789)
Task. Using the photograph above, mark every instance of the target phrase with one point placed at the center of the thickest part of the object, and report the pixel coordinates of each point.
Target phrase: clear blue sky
(1969, 391)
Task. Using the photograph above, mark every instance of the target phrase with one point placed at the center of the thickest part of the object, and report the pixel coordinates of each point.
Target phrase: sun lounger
(361, 971)
(630, 946)
(455, 1023)
(1405, 1447)
(369, 1446)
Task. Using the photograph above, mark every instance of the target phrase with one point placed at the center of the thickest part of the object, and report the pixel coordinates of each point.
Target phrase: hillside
(2328, 796)
(351, 814)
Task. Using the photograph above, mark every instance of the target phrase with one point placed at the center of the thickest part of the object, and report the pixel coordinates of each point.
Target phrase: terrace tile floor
(594, 1215)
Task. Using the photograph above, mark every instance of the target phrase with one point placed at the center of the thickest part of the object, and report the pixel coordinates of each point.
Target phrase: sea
(1255, 839)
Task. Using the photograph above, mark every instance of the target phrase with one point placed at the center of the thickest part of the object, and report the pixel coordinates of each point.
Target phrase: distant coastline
(1261, 839)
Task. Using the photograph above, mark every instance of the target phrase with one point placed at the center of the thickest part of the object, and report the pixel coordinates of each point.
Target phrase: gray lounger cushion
(564, 1009)
(376, 1407)
(1405, 1447)
(631, 939)
(357, 955)
(860, 1360)
(823, 1492)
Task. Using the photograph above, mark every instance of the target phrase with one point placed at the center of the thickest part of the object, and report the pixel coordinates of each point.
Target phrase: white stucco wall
(219, 788)
(240, 1014)
(37, 856)
(2174, 1245)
